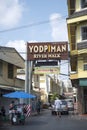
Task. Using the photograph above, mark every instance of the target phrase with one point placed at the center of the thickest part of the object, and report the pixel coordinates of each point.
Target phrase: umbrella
(19, 94)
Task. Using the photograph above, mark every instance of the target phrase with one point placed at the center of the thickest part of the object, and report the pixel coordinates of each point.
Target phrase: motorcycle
(17, 118)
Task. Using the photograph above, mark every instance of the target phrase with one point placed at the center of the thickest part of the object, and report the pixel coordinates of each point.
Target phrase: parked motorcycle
(18, 118)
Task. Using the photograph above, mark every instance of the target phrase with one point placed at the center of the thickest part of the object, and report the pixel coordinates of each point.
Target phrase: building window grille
(84, 3)
(85, 67)
(10, 71)
(84, 33)
(1, 68)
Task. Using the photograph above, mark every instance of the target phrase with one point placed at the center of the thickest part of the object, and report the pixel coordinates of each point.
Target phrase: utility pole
(28, 76)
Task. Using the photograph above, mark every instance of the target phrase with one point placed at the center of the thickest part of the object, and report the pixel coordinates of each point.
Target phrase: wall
(80, 100)
(81, 72)
(4, 80)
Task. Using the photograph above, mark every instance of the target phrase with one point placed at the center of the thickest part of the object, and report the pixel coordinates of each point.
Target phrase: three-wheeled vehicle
(18, 116)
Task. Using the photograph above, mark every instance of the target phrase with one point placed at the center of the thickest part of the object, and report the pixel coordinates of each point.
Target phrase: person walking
(57, 105)
(3, 113)
(38, 106)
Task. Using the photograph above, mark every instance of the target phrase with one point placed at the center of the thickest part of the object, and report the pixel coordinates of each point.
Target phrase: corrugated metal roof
(10, 55)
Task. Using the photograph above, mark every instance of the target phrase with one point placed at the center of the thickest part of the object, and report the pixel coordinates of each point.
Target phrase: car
(70, 104)
(64, 108)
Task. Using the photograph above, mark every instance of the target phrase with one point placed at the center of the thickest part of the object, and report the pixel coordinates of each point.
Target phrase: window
(10, 71)
(84, 3)
(85, 67)
(1, 68)
(84, 33)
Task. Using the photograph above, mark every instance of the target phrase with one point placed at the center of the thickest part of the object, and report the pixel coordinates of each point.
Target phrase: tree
(53, 97)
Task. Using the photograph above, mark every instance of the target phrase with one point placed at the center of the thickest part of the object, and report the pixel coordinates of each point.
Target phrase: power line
(29, 25)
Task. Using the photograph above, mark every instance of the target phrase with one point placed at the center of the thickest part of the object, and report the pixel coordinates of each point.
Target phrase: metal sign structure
(42, 51)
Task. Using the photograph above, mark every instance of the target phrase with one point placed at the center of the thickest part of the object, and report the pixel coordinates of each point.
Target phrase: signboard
(47, 51)
(46, 70)
(46, 63)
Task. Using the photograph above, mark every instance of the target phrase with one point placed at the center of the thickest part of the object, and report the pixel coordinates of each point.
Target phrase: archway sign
(47, 51)
(43, 51)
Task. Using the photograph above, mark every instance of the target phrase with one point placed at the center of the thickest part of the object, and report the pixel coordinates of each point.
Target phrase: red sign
(47, 51)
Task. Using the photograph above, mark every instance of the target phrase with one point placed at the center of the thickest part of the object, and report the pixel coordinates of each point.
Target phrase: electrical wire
(30, 25)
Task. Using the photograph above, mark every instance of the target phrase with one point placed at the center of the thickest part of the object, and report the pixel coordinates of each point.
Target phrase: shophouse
(77, 34)
(10, 61)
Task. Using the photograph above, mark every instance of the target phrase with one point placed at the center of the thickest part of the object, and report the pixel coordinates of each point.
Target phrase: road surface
(46, 121)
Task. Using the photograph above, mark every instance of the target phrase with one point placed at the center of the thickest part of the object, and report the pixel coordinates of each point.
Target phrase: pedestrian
(12, 105)
(33, 103)
(19, 108)
(3, 111)
(38, 106)
(12, 109)
(57, 105)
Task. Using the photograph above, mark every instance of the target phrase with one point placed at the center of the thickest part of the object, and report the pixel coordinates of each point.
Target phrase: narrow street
(46, 121)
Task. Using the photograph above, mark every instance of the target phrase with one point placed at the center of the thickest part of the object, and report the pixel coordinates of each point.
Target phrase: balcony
(73, 76)
(81, 49)
(13, 83)
(82, 45)
(74, 52)
(77, 17)
(20, 83)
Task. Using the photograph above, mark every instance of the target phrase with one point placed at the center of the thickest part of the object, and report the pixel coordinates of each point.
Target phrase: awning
(82, 82)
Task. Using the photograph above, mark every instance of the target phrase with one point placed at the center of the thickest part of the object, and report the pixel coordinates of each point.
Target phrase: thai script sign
(47, 70)
(47, 50)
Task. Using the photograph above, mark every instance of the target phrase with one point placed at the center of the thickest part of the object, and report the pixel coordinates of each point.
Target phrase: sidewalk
(4, 123)
(75, 115)
(4, 120)
(83, 116)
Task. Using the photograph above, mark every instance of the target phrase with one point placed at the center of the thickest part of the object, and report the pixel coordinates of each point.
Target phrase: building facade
(10, 61)
(77, 34)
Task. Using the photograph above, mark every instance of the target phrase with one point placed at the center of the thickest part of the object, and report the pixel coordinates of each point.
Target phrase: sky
(24, 21)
